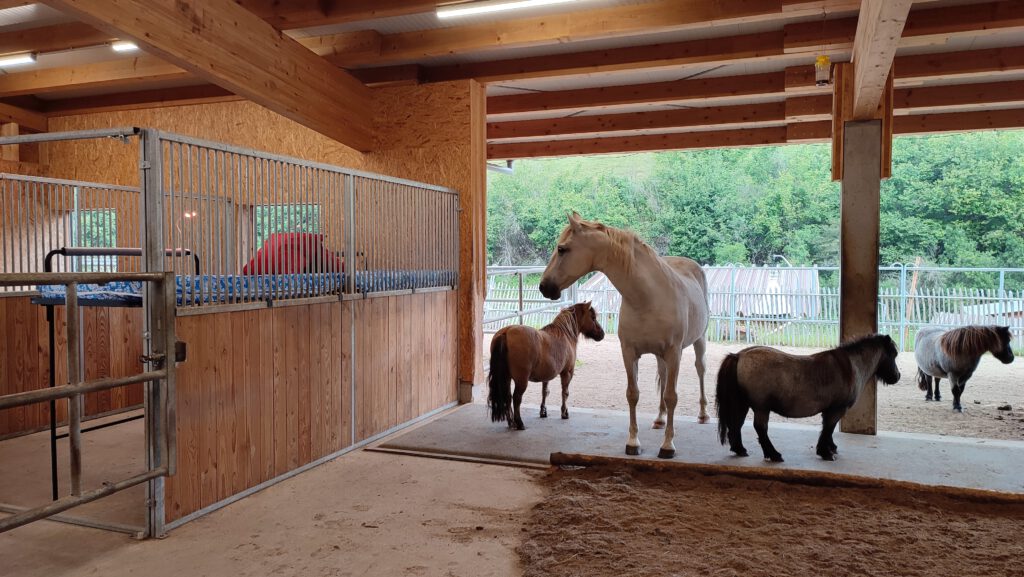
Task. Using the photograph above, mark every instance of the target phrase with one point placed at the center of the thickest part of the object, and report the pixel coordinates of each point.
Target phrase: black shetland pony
(955, 354)
(771, 381)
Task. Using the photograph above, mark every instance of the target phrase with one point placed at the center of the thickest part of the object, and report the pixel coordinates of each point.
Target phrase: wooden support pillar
(473, 251)
(10, 152)
(858, 260)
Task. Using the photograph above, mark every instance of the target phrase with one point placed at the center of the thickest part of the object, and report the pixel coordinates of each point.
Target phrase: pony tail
(728, 400)
(499, 382)
(922, 380)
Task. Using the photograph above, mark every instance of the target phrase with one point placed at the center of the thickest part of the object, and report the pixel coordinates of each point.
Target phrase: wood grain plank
(362, 361)
(133, 330)
(268, 344)
(183, 489)
(220, 382)
(347, 358)
(380, 363)
(391, 344)
(239, 358)
(303, 384)
(6, 387)
(280, 336)
(101, 363)
(421, 335)
(317, 409)
(254, 377)
(291, 393)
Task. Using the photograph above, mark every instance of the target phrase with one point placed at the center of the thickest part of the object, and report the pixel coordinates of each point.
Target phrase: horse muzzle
(550, 290)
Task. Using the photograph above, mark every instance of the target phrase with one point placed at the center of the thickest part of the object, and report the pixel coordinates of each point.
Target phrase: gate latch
(156, 360)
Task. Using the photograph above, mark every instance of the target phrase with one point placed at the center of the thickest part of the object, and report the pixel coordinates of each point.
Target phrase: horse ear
(574, 220)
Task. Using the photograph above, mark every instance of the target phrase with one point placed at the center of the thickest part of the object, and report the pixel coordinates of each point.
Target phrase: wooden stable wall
(430, 133)
(266, 391)
(113, 344)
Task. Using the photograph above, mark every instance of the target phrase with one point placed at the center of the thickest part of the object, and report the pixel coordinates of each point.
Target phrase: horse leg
(761, 426)
(672, 358)
(659, 421)
(958, 388)
(629, 359)
(938, 396)
(544, 400)
(826, 448)
(566, 378)
(928, 382)
(736, 432)
(517, 398)
(699, 346)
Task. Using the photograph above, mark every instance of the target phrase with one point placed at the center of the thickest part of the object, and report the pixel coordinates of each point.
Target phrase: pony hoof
(741, 452)
(565, 415)
(958, 409)
(658, 425)
(666, 453)
(775, 458)
(703, 419)
(827, 456)
(633, 451)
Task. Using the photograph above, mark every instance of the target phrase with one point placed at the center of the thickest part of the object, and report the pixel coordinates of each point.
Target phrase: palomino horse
(664, 309)
(771, 381)
(523, 354)
(955, 354)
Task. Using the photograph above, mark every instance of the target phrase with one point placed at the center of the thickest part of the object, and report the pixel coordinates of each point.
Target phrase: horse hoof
(703, 419)
(928, 398)
(958, 409)
(827, 456)
(775, 458)
(565, 415)
(543, 414)
(658, 425)
(633, 451)
(666, 453)
(741, 452)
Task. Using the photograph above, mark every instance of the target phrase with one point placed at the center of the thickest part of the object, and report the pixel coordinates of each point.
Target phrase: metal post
(155, 321)
(732, 304)
(520, 276)
(903, 305)
(350, 234)
(1002, 296)
(75, 378)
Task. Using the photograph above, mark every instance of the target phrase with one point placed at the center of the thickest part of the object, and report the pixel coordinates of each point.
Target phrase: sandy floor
(612, 523)
(362, 514)
(600, 382)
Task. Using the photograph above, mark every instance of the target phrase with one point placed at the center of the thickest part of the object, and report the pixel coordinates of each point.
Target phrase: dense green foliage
(954, 200)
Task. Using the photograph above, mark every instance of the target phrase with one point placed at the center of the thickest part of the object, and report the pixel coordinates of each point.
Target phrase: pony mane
(860, 343)
(972, 340)
(621, 244)
(566, 322)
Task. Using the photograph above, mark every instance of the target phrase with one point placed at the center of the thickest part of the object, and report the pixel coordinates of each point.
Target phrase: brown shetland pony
(523, 354)
(955, 354)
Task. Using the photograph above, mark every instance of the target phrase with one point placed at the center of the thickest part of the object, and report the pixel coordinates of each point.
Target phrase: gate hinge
(145, 164)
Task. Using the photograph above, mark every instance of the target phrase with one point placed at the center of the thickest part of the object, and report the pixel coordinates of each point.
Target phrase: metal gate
(158, 379)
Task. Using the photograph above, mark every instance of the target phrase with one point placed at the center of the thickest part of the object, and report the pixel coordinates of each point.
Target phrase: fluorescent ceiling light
(124, 46)
(488, 6)
(16, 59)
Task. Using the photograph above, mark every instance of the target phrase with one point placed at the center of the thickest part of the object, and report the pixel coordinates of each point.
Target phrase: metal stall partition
(33, 229)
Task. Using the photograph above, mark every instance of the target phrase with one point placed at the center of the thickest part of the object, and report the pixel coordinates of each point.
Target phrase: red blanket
(293, 252)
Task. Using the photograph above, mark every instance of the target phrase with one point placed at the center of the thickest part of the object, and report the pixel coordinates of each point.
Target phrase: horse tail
(922, 380)
(499, 381)
(728, 395)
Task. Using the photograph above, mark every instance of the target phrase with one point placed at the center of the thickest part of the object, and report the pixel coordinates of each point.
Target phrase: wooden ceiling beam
(879, 27)
(23, 117)
(958, 65)
(570, 26)
(644, 143)
(693, 119)
(720, 89)
(112, 74)
(705, 52)
(959, 121)
(294, 14)
(923, 26)
(66, 36)
(225, 44)
(140, 100)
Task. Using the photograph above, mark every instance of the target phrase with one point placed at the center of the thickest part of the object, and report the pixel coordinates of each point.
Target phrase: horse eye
(562, 250)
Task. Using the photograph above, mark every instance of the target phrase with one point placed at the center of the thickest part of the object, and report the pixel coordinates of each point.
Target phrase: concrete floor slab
(917, 458)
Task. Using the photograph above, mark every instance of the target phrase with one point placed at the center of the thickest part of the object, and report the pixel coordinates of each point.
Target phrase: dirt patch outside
(610, 522)
(600, 383)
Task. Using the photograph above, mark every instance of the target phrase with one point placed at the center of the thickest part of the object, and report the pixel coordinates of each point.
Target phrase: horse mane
(860, 343)
(622, 242)
(566, 322)
(972, 340)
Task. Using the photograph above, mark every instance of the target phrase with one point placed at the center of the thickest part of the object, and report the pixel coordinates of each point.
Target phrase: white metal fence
(790, 306)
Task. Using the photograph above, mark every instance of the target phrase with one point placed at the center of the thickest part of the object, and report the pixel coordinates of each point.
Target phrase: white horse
(664, 309)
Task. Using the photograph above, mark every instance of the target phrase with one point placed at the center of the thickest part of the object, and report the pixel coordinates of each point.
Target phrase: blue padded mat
(241, 288)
